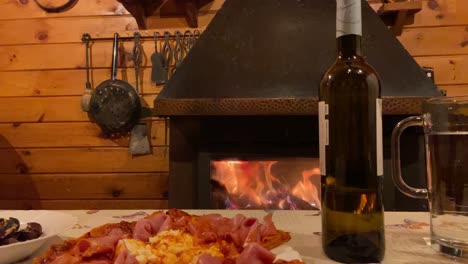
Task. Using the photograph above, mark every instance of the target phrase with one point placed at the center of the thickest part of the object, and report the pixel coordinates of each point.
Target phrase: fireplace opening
(280, 183)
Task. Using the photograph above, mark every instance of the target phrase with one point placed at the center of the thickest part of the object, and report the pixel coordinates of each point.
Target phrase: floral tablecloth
(406, 232)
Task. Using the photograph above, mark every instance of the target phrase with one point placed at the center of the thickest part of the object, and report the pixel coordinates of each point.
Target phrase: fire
(366, 204)
(255, 184)
(306, 190)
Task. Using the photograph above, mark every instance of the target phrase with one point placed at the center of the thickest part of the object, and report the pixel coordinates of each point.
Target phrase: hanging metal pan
(115, 105)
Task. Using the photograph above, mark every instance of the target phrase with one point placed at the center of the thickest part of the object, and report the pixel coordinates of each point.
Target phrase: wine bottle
(350, 132)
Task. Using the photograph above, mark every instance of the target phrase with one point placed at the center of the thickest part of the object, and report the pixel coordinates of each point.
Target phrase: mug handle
(396, 166)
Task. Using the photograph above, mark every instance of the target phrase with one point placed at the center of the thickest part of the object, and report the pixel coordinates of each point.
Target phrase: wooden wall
(52, 157)
(439, 39)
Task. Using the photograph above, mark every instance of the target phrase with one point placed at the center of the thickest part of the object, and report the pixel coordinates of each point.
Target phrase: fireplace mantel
(272, 106)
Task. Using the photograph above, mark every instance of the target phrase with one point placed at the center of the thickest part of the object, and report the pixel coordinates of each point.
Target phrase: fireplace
(246, 95)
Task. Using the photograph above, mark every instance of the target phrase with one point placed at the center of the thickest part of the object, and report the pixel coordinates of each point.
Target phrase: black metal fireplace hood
(266, 57)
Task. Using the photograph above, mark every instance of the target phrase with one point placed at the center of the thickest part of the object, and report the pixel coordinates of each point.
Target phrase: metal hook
(86, 38)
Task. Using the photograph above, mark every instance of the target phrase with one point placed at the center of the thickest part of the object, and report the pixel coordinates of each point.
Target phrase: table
(406, 232)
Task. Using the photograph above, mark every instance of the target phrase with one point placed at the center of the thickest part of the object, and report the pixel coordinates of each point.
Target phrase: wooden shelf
(396, 14)
(143, 10)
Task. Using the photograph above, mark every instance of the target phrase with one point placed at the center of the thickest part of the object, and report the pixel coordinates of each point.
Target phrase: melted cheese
(168, 247)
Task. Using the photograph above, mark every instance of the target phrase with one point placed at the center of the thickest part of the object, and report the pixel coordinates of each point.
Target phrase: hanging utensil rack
(181, 38)
(172, 37)
(146, 35)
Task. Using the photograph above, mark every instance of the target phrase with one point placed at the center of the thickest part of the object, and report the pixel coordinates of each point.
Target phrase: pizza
(174, 236)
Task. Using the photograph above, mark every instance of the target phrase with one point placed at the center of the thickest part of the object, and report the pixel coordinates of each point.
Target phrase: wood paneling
(68, 56)
(447, 69)
(436, 13)
(80, 160)
(84, 186)
(70, 29)
(15, 9)
(47, 109)
(61, 56)
(67, 82)
(442, 13)
(82, 134)
(83, 204)
(61, 30)
(455, 90)
(436, 40)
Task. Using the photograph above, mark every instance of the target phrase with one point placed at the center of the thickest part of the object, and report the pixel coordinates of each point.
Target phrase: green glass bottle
(351, 162)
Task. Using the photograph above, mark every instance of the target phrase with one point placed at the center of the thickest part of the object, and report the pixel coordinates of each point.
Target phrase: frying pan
(115, 105)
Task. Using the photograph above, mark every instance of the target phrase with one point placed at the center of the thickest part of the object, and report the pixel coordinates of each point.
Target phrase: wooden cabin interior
(53, 157)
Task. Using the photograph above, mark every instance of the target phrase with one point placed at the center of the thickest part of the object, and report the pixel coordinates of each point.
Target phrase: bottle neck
(348, 28)
(349, 46)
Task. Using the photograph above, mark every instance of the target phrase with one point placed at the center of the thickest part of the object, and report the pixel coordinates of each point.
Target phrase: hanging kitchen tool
(158, 72)
(187, 41)
(139, 142)
(196, 36)
(137, 59)
(87, 93)
(178, 51)
(167, 53)
(115, 105)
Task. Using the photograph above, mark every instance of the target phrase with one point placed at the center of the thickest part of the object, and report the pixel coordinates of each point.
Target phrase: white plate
(53, 223)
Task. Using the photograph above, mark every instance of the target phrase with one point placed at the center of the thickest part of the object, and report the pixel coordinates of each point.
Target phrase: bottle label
(379, 143)
(323, 135)
(348, 17)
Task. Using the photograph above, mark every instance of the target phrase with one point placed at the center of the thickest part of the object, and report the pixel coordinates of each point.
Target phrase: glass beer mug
(445, 123)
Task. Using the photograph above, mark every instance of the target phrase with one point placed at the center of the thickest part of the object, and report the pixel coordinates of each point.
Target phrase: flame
(366, 203)
(253, 183)
(306, 190)
(226, 175)
(362, 204)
